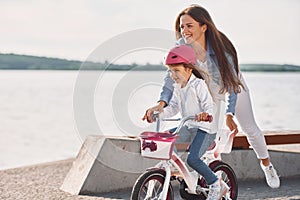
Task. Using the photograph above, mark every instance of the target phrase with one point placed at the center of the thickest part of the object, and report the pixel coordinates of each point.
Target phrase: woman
(217, 56)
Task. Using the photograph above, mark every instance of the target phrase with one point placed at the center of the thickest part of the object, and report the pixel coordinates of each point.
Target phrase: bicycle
(155, 182)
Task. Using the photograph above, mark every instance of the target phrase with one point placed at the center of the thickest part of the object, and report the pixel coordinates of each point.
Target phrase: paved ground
(42, 181)
(252, 190)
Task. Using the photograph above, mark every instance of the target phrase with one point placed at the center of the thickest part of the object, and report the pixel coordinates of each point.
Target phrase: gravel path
(39, 182)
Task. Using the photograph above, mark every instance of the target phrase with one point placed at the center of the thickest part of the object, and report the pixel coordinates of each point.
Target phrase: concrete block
(106, 164)
(246, 165)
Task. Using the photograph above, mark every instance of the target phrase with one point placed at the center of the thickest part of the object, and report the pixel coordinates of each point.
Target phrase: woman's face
(191, 30)
(180, 74)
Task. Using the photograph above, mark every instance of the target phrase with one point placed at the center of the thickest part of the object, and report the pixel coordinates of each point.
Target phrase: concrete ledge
(106, 164)
(246, 166)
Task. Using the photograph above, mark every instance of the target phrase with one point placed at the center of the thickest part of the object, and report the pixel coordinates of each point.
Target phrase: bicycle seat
(211, 147)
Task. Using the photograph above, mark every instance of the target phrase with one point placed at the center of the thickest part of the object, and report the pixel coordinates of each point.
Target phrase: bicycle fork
(164, 193)
(190, 178)
(151, 187)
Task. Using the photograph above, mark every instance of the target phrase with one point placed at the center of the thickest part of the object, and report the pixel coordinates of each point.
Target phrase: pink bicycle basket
(157, 145)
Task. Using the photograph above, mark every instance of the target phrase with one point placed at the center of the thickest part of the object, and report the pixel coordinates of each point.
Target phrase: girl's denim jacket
(214, 74)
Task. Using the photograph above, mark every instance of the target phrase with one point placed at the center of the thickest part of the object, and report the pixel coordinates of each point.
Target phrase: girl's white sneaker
(214, 191)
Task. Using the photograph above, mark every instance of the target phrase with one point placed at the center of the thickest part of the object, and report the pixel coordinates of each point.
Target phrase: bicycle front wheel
(150, 185)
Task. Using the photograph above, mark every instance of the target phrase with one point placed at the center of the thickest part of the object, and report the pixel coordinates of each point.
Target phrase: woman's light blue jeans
(198, 147)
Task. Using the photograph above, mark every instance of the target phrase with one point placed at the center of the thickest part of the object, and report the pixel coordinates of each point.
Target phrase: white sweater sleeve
(205, 98)
(173, 108)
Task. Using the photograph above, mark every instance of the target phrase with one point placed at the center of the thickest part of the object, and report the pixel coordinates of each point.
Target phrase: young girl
(192, 97)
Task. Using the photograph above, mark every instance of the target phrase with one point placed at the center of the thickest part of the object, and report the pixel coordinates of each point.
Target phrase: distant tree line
(269, 67)
(14, 61)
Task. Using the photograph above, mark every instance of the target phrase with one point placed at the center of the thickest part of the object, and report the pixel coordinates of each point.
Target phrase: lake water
(42, 119)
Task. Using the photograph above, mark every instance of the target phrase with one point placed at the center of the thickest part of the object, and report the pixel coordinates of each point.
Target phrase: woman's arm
(167, 89)
(172, 109)
(231, 103)
(230, 111)
(164, 99)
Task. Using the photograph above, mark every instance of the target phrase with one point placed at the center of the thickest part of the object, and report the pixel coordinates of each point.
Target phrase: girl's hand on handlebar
(203, 117)
(149, 113)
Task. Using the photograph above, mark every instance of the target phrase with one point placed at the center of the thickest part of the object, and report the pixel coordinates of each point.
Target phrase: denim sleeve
(232, 96)
(231, 103)
(180, 41)
(167, 89)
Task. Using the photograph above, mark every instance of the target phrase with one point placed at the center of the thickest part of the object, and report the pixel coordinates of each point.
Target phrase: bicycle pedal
(198, 189)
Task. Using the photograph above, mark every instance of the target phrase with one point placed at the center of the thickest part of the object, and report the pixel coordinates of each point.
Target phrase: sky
(263, 31)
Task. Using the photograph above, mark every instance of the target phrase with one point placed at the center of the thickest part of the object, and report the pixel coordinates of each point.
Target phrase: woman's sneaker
(271, 176)
(214, 191)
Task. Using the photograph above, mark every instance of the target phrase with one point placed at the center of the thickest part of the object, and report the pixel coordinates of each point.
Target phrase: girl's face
(191, 30)
(180, 74)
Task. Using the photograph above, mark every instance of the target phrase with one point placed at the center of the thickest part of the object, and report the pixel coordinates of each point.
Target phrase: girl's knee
(192, 161)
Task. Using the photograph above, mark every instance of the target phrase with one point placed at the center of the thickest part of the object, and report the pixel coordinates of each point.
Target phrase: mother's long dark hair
(220, 44)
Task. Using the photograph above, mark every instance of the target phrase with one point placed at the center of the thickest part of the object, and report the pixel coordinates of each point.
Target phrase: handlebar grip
(155, 115)
(208, 119)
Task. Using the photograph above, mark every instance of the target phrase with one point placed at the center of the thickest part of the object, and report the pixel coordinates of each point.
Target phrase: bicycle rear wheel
(228, 176)
(151, 180)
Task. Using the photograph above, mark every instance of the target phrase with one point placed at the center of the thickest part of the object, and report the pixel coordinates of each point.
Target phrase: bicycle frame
(190, 177)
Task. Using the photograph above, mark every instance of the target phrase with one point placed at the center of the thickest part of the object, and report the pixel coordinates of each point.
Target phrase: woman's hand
(231, 124)
(149, 113)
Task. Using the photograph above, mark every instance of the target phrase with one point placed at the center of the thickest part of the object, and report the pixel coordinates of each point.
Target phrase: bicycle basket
(157, 145)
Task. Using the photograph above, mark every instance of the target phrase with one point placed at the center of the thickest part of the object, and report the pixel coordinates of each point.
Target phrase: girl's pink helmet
(181, 54)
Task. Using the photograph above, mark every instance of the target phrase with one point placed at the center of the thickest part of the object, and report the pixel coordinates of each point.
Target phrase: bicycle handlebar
(183, 121)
